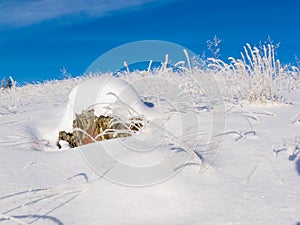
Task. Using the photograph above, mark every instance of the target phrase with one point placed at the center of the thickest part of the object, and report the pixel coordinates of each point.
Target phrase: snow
(253, 179)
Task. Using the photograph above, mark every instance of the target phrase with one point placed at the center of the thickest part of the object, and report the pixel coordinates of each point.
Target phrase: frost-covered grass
(258, 77)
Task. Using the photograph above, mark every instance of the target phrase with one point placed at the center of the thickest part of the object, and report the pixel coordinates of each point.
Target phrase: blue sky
(39, 37)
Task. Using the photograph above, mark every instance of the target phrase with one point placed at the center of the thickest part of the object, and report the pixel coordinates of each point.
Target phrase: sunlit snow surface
(253, 180)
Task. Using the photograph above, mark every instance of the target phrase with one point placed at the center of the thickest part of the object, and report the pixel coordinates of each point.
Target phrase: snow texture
(253, 180)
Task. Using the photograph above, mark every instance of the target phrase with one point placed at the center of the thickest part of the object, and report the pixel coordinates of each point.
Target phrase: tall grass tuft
(258, 77)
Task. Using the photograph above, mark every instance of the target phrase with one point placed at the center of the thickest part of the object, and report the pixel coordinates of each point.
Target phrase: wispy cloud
(17, 13)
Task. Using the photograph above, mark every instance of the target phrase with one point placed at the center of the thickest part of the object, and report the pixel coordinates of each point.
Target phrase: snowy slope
(253, 180)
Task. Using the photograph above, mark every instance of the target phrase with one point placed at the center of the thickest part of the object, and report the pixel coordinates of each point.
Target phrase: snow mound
(107, 95)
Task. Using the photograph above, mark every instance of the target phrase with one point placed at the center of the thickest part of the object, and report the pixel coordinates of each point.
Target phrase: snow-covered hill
(252, 178)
